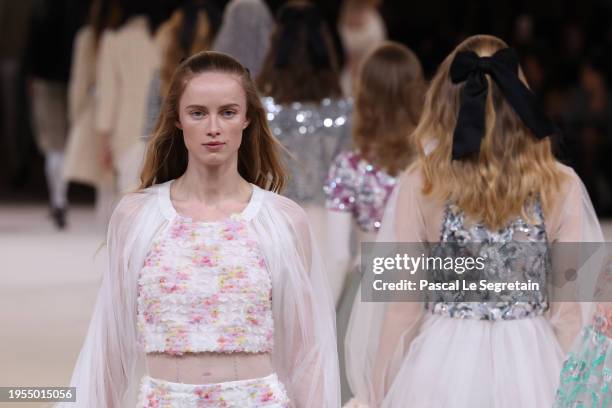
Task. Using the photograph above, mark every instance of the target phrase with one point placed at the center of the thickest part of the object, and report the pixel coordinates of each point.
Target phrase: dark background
(565, 48)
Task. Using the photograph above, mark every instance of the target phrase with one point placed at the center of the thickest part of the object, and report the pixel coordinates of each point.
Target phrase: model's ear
(246, 124)
(178, 125)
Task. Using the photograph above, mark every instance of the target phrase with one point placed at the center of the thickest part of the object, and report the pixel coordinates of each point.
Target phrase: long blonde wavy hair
(388, 105)
(512, 169)
(259, 159)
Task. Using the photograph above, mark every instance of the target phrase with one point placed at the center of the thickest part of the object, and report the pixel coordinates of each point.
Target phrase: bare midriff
(208, 368)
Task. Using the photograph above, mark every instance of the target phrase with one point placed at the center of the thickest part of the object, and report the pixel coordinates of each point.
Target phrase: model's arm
(307, 320)
(380, 333)
(105, 362)
(577, 259)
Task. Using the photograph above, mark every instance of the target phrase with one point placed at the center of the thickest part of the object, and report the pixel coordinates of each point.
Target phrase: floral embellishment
(208, 395)
(602, 320)
(254, 393)
(180, 229)
(233, 228)
(205, 287)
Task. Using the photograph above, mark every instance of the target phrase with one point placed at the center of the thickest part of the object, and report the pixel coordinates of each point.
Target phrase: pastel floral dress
(205, 287)
(587, 372)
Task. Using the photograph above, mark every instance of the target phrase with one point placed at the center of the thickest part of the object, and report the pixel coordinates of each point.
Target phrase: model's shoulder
(287, 207)
(567, 170)
(571, 181)
(131, 203)
(413, 175)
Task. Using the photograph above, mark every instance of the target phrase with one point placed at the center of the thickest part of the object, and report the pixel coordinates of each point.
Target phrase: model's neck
(212, 184)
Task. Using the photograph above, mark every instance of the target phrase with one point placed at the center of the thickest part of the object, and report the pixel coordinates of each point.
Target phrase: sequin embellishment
(356, 186)
(314, 133)
(508, 259)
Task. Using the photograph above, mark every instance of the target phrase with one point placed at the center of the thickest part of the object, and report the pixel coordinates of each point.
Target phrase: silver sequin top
(314, 134)
(518, 252)
(355, 185)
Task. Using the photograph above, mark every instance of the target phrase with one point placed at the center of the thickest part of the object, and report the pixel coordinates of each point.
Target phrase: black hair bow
(503, 69)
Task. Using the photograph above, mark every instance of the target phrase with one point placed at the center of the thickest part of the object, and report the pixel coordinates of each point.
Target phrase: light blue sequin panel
(518, 252)
(314, 134)
(587, 373)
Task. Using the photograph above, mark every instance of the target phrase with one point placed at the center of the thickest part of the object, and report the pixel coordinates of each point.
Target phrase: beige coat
(84, 150)
(127, 61)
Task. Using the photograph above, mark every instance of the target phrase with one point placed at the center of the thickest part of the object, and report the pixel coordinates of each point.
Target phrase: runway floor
(48, 283)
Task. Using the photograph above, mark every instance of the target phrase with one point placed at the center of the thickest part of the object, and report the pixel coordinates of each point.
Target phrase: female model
(245, 33)
(188, 31)
(306, 110)
(485, 175)
(361, 29)
(387, 107)
(360, 180)
(214, 282)
(127, 59)
(84, 150)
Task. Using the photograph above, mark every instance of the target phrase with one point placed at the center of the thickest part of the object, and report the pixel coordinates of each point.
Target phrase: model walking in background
(485, 174)
(305, 107)
(389, 99)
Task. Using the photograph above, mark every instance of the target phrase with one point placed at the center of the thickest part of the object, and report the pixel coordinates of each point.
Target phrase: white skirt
(456, 363)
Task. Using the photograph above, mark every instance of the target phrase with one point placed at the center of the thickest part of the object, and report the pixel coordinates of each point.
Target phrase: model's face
(212, 115)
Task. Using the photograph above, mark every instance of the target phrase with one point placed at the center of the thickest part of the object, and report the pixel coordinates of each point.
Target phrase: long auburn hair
(301, 64)
(259, 154)
(182, 38)
(388, 105)
(512, 169)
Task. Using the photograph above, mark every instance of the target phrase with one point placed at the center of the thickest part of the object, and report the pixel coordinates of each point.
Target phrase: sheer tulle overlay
(401, 355)
(305, 359)
(472, 363)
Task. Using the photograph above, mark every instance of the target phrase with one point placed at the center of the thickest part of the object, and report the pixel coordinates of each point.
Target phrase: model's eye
(229, 113)
(196, 114)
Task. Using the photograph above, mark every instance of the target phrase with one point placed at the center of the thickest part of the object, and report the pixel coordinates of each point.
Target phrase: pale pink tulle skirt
(456, 363)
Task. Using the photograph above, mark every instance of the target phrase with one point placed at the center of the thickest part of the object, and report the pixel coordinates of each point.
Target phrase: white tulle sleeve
(110, 363)
(380, 333)
(576, 246)
(305, 353)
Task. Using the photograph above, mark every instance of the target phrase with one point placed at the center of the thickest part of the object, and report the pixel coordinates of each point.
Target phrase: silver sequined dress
(499, 351)
(314, 134)
(516, 253)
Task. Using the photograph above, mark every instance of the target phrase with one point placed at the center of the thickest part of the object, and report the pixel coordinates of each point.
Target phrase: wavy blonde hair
(388, 105)
(259, 159)
(512, 169)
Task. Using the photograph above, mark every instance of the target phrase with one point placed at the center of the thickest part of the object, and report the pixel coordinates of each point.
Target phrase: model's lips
(213, 144)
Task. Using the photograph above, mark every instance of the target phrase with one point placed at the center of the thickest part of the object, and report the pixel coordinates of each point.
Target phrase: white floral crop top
(205, 287)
